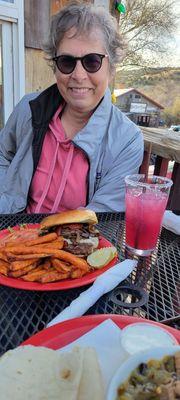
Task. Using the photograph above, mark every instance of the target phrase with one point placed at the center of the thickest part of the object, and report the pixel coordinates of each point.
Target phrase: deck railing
(165, 145)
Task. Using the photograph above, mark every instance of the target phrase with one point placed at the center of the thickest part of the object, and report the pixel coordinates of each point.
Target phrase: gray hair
(85, 18)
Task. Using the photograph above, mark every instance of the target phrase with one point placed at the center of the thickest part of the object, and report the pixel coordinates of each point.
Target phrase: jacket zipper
(87, 177)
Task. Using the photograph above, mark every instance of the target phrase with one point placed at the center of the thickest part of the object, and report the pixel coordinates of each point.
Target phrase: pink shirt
(60, 180)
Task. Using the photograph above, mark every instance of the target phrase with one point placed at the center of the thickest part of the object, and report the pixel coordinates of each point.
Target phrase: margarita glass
(146, 202)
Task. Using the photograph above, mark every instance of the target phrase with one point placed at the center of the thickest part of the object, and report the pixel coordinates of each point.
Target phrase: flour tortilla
(38, 373)
(91, 384)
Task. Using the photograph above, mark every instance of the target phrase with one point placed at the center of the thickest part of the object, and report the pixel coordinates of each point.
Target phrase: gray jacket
(112, 143)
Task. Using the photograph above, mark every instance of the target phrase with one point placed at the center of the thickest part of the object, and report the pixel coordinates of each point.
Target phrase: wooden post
(146, 161)
(36, 22)
(161, 166)
(174, 198)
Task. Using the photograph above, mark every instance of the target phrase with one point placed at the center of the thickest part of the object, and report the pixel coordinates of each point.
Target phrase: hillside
(161, 84)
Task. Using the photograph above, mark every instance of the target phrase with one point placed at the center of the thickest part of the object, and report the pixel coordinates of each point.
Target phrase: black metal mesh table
(23, 313)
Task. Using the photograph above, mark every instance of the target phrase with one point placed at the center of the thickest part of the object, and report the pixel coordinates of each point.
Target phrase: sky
(171, 58)
(174, 60)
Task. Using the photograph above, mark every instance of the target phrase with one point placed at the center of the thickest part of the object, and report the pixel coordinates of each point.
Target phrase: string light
(113, 98)
(120, 7)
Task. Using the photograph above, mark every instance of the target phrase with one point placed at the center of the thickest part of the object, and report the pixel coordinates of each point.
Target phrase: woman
(68, 146)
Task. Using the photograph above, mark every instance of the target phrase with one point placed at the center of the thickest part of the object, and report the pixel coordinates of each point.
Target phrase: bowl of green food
(148, 375)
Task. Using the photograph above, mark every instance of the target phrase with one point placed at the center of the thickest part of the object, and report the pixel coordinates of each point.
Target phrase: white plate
(128, 366)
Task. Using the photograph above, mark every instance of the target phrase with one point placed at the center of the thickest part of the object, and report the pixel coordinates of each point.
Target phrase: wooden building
(140, 108)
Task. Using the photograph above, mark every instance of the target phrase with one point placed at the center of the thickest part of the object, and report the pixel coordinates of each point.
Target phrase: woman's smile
(80, 92)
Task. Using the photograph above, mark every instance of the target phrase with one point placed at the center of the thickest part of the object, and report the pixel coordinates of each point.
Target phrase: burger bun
(84, 216)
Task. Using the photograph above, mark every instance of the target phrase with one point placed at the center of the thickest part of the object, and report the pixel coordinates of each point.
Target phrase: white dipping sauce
(142, 336)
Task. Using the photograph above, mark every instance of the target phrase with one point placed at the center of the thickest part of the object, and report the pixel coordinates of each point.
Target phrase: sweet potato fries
(39, 259)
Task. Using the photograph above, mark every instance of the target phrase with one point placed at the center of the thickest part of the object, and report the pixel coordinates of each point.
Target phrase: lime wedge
(101, 257)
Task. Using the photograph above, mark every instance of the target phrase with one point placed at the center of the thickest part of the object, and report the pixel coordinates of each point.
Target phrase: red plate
(61, 285)
(66, 332)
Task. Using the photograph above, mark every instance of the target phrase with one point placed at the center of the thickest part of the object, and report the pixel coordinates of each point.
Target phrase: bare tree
(148, 27)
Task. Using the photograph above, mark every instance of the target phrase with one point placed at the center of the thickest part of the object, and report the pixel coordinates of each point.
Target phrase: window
(137, 96)
(12, 71)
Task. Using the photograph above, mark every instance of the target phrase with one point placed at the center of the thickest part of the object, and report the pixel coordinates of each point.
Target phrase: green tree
(148, 27)
(171, 115)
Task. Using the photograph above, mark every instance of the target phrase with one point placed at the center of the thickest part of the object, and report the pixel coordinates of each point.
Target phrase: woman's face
(82, 90)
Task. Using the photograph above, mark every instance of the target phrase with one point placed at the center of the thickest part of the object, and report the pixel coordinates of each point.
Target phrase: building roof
(120, 92)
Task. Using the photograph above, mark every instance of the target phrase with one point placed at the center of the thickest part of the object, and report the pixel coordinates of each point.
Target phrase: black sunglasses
(91, 62)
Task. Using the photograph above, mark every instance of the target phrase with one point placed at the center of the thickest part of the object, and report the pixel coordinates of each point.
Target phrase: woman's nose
(79, 71)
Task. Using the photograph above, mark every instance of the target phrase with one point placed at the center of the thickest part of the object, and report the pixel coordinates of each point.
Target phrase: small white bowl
(125, 370)
(143, 336)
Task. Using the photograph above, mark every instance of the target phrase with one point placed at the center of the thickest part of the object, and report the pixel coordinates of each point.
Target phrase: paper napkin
(106, 340)
(171, 221)
(103, 284)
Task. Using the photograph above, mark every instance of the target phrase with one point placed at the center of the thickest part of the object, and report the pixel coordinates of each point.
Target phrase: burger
(81, 237)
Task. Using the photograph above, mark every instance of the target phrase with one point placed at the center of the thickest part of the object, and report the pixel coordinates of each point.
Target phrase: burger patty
(80, 249)
(79, 239)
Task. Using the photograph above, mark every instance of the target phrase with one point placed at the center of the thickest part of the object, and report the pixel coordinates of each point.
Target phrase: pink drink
(145, 206)
(143, 219)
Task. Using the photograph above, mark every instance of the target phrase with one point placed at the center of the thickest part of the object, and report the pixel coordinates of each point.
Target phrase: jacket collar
(91, 136)
(45, 105)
